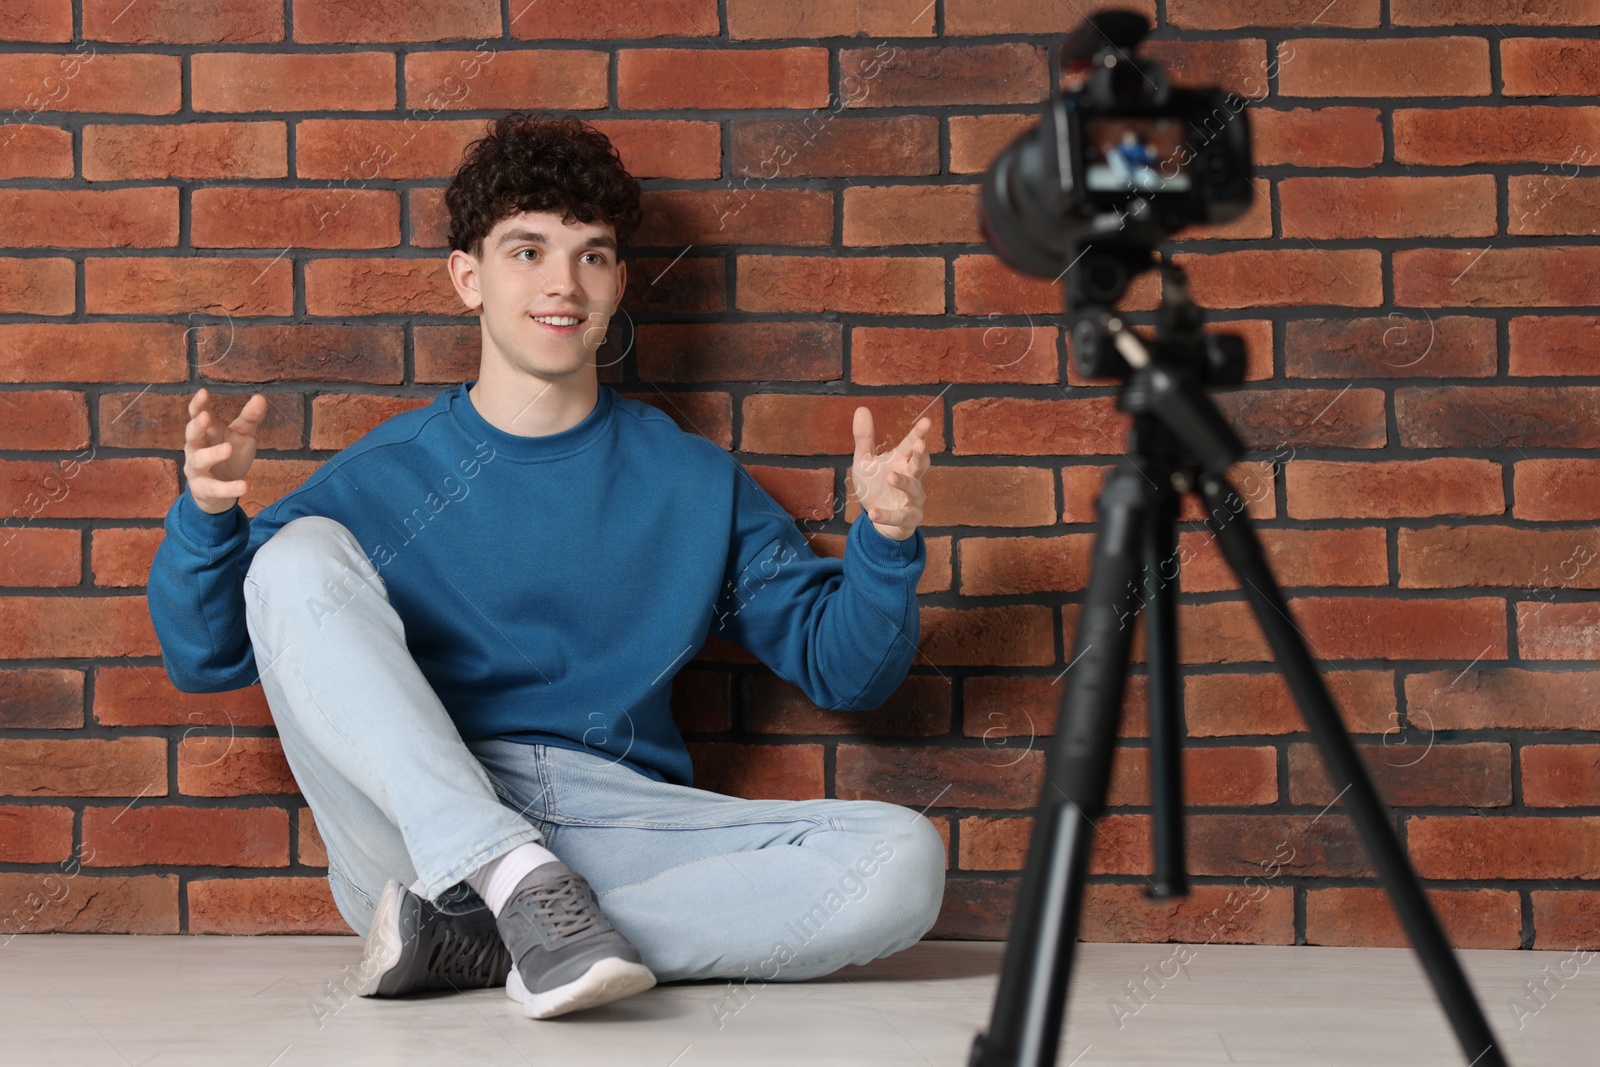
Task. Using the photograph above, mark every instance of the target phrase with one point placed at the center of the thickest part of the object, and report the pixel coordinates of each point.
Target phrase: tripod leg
(1169, 878)
(1026, 1025)
(1242, 549)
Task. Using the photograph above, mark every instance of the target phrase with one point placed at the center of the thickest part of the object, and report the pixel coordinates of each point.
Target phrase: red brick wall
(1416, 283)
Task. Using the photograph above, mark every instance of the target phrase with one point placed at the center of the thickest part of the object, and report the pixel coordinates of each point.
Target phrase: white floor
(145, 1001)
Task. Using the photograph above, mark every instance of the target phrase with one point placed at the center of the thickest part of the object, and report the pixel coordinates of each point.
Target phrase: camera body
(1114, 166)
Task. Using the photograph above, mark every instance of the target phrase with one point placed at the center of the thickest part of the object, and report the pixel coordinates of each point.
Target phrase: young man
(467, 622)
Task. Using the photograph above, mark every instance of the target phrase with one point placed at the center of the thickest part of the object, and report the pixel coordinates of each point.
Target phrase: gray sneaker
(565, 954)
(414, 947)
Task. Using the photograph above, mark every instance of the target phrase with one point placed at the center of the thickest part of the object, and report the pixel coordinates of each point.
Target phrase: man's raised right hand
(217, 456)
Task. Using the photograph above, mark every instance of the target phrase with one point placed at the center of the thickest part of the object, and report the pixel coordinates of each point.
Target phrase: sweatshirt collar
(542, 447)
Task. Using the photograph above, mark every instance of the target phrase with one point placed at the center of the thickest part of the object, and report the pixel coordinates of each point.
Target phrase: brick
(1014, 16)
(174, 835)
(35, 287)
(1206, 914)
(1230, 777)
(171, 22)
(35, 833)
(566, 79)
(372, 21)
(1549, 66)
(889, 355)
(998, 709)
(1311, 418)
(283, 905)
(101, 351)
(122, 558)
(71, 901)
(917, 777)
(1481, 847)
(1268, 845)
(142, 696)
(1394, 346)
(977, 140)
(1554, 204)
(41, 698)
(988, 496)
(606, 20)
(227, 765)
(1566, 920)
(702, 702)
(823, 147)
(141, 487)
(935, 75)
(143, 217)
(975, 909)
(30, 150)
(920, 707)
(37, 20)
(362, 150)
(1500, 277)
(1366, 66)
(757, 772)
(53, 626)
(380, 287)
(1446, 137)
(1316, 136)
(1491, 13)
(1457, 205)
(1003, 566)
(148, 419)
(1281, 277)
(339, 419)
(890, 285)
(152, 285)
(911, 215)
(1385, 628)
(1560, 776)
(821, 425)
(1362, 916)
(193, 150)
(689, 285)
(330, 81)
(1235, 14)
(1555, 345)
(708, 414)
(43, 557)
(1000, 843)
(271, 479)
(1238, 65)
(1389, 489)
(1013, 426)
(757, 20)
(44, 418)
(744, 351)
(717, 78)
(734, 216)
(118, 84)
(1443, 557)
(1298, 558)
(1555, 489)
(1558, 631)
(1231, 704)
(1508, 697)
(1491, 416)
(805, 494)
(312, 851)
(985, 285)
(1020, 635)
(1413, 773)
(666, 148)
(222, 217)
(124, 767)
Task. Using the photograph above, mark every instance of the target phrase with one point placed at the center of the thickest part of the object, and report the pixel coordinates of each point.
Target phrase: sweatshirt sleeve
(196, 597)
(844, 631)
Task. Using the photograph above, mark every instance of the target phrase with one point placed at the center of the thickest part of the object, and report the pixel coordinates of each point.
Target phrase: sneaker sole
(383, 946)
(607, 980)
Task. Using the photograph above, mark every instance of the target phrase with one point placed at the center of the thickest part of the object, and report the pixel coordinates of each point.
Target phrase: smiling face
(535, 266)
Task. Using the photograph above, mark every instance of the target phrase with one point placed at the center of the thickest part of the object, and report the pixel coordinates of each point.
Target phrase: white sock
(495, 880)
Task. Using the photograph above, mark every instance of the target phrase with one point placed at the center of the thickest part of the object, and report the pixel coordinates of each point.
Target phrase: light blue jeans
(704, 885)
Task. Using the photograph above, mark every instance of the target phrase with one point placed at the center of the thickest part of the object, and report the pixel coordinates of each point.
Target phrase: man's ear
(464, 276)
(622, 283)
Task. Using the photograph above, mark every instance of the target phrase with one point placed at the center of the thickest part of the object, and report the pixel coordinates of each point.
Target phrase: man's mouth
(560, 324)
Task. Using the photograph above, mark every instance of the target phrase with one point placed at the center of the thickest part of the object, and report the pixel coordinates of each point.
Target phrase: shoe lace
(564, 904)
(467, 959)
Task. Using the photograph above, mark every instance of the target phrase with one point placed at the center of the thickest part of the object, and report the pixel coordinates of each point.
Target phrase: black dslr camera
(1113, 168)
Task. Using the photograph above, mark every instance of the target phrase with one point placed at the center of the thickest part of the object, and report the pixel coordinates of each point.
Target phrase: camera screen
(1135, 155)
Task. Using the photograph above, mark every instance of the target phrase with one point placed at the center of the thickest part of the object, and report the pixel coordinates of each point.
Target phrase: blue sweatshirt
(552, 586)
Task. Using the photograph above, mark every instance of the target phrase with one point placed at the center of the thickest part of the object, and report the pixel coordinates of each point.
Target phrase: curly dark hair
(538, 162)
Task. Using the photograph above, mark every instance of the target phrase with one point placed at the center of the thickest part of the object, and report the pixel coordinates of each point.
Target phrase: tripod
(1178, 443)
